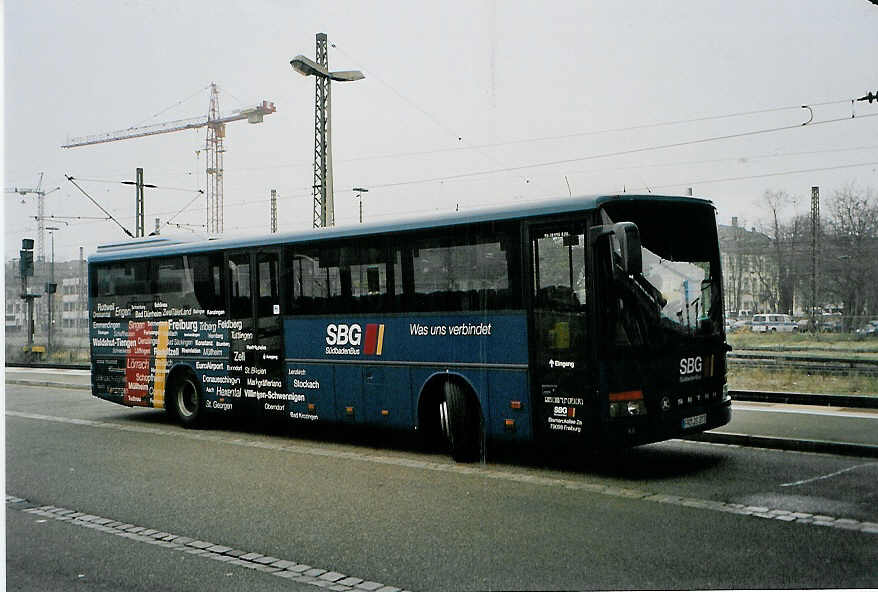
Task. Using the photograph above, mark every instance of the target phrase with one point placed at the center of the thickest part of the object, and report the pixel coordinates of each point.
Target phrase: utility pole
(51, 288)
(139, 229)
(324, 207)
(360, 191)
(139, 225)
(815, 232)
(273, 211)
(41, 213)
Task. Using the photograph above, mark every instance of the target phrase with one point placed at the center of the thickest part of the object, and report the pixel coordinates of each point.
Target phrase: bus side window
(172, 284)
(239, 286)
(559, 271)
(205, 273)
(369, 279)
(467, 273)
(268, 284)
(315, 279)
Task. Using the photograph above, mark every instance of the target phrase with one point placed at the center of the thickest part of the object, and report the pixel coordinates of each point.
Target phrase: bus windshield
(678, 292)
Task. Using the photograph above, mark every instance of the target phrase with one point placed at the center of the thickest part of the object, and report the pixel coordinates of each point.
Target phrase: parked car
(741, 325)
(830, 322)
(773, 323)
(870, 329)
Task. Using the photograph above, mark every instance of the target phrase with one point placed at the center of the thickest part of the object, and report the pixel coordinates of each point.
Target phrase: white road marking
(835, 412)
(828, 476)
(60, 371)
(479, 471)
(283, 568)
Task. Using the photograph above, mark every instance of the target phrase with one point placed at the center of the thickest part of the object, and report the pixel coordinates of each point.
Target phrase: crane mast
(215, 134)
(215, 123)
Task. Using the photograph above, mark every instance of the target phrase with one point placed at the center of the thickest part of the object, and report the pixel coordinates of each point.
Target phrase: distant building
(74, 306)
(69, 302)
(16, 315)
(747, 269)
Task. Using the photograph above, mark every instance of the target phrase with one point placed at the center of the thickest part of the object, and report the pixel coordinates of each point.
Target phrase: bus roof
(172, 245)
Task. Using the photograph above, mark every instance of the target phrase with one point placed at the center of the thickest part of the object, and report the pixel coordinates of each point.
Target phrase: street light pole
(50, 291)
(324, 207)
(360, 191)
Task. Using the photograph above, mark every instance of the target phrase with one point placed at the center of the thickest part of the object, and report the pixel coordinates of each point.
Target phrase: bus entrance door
(561, 374)
(255, 337)
(267, 377)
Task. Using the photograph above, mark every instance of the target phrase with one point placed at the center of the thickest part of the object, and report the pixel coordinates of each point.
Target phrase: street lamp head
(308, 67)
(346, 76)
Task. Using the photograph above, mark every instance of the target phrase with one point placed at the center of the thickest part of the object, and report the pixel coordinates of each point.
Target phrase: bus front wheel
(461, 424)
(186, 400)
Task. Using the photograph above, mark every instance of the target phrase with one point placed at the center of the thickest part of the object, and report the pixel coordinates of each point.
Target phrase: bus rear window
(181, 281)
(126, 278)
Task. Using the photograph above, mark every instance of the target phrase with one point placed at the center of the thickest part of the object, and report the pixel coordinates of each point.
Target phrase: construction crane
(41, 212)
(216, 131)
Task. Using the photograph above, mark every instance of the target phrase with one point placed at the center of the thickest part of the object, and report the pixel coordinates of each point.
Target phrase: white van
(773, 323)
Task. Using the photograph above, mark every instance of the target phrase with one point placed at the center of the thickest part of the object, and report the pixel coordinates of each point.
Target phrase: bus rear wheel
(186, 400)
(461, 424)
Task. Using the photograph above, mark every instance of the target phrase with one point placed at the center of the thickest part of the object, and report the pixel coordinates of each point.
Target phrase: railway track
(822, 365)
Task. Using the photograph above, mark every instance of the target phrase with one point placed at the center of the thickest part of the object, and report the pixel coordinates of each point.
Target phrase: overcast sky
(464, 104)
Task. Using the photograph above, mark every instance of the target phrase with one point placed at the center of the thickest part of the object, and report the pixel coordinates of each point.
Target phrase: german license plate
(694, 421)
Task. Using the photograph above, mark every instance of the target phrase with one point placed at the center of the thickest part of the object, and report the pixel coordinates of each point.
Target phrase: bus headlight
(627, 403)
(637, 407)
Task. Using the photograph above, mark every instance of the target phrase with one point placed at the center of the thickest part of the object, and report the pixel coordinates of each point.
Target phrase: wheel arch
(432, 392)
(175, 373)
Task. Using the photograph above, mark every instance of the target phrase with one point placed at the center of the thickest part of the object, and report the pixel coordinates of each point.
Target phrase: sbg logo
(344, 335)
(690, 365)
(372, 339)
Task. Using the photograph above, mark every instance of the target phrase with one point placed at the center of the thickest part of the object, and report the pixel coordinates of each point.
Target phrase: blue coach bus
(585, 321)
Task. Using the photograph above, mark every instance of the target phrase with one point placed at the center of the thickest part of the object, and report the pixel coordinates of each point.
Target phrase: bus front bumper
(644, 430)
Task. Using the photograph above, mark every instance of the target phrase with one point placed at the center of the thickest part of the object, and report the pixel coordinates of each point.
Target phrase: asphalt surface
(675, 515)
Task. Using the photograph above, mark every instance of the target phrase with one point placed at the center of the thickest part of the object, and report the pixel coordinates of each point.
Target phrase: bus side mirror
(624, 241)
(628, 236)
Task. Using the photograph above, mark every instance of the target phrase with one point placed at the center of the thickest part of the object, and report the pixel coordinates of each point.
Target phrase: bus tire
(461, 423)
(187, 400)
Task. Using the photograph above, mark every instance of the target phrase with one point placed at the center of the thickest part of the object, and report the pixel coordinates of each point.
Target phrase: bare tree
(850, 261)
(779, 279)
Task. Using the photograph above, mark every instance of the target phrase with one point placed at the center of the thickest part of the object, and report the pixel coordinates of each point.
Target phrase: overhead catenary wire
(618, 152)
(94, 201)
(459, 136)
(304, 194)
(113, 182)
(584, 133)
(308, 194)
(168, 221)
(764, 175)
(398, 213)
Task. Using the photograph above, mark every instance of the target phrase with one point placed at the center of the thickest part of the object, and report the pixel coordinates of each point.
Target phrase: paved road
(94, 485)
